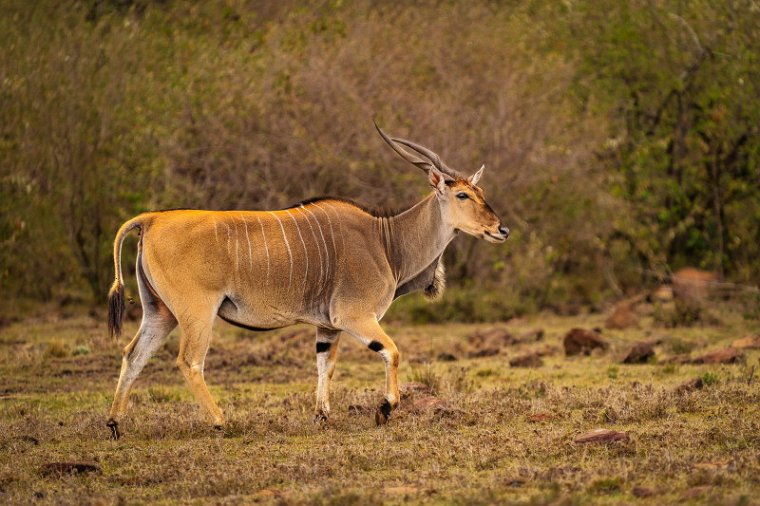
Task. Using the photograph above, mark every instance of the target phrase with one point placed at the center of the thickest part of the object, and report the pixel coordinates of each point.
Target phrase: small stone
(579, 341)
(601, 436)
(529, 360)
(724, 356)
(639, 353)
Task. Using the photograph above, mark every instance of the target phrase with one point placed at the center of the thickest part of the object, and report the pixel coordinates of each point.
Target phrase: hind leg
(156, 325)
(193, 346)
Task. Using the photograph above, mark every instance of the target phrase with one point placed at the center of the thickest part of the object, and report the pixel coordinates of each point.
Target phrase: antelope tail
(116, 306)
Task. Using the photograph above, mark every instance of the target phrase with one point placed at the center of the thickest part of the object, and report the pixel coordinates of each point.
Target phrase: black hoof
(114, 426)
(320, 418)
(383, 413)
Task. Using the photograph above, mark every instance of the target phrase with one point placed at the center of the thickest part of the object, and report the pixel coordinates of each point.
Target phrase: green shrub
(81, 349)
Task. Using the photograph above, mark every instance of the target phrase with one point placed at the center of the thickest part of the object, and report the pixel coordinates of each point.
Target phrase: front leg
(327, 355)
(369, 333)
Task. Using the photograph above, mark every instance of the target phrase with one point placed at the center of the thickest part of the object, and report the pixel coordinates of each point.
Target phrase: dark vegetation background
(620, 138)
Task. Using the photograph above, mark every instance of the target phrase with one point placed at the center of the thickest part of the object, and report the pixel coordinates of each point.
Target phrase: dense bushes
(619, 139)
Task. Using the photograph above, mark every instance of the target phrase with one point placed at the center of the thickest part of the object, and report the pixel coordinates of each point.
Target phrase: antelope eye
(462, 196)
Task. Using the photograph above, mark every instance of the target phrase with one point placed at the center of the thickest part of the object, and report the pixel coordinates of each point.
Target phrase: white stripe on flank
(319, 251)
(305, 252)
(327, 258)
(340, 227)
(216, 234)
(287, 245)
(266, 247)
(248, 239)
(332, 232)
(237, 247)
(229, 238)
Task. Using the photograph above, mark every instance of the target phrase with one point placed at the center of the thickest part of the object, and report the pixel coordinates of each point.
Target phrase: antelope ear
(437, 180)
(473, 180)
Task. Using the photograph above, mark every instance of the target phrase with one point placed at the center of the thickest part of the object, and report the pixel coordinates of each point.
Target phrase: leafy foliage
(620, 138)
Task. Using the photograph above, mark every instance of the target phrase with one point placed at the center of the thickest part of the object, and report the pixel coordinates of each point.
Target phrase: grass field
(499, 434)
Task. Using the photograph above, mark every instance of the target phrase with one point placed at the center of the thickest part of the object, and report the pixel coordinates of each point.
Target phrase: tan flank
(328, 262)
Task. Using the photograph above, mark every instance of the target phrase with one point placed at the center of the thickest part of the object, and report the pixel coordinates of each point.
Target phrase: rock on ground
(728, 355)
(583, 341)
(639, 353)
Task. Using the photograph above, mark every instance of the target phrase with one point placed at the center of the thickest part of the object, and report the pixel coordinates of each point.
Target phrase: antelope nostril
(504, 231)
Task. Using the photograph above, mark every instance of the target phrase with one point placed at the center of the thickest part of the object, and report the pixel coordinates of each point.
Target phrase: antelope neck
(415, 238)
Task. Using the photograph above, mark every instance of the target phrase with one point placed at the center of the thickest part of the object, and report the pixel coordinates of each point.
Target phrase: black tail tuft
(116, 309)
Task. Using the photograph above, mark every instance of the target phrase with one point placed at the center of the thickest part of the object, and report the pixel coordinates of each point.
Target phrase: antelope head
(463, 203)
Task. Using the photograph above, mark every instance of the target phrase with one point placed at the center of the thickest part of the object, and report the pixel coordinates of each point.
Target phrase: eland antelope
(327, 262)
